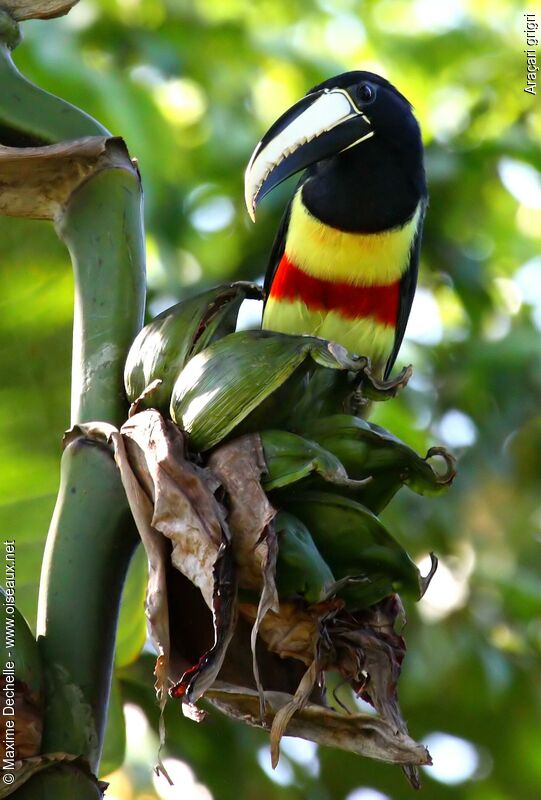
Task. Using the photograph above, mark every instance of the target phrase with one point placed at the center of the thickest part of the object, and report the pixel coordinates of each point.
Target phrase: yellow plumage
(364, 335)
(362, 259)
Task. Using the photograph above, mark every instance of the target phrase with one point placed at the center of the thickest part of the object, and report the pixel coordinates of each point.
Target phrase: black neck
(366, 189)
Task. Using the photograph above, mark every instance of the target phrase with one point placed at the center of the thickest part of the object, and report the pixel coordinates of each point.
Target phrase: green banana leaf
(247, 372)
(163, 347)
(366, 449)
(290, 458)
(355, 544)
(300, 568)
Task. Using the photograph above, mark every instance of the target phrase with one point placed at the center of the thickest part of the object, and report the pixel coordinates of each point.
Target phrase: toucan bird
(345, 259)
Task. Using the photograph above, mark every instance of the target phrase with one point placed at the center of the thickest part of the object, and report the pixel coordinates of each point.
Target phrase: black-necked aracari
(345, 260)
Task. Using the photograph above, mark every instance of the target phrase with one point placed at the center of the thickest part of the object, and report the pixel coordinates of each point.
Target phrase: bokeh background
(192, 86)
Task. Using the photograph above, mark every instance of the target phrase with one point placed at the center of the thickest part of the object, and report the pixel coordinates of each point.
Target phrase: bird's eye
(366, 93)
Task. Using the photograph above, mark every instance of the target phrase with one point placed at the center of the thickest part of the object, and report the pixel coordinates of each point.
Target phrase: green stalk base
(59, 783)
(88, 550)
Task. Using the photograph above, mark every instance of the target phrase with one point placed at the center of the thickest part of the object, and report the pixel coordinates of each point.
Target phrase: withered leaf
(174, 499)
(37, 9)
(293, 630)
(239, 465)
(363, 734)
(158, 553)
(185, 509)
(37, 182)
(369, 653)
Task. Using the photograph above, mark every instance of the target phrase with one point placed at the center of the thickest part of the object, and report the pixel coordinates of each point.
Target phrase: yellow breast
(363, 259)
(364, 336)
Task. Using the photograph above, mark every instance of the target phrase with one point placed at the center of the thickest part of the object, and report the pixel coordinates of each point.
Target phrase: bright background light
(365, 793)
(455, 760)
(283, 775)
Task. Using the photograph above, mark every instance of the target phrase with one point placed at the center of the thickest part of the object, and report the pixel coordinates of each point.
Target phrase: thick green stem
(60, 783)
(90, 543)
(91, 538)
(103, 231)
(28, 114)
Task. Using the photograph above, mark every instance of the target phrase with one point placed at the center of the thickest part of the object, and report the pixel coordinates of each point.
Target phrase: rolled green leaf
(355, 544)
(290, 458)
(226, 383)
(163, 347)
(300, 568)
(367, 449)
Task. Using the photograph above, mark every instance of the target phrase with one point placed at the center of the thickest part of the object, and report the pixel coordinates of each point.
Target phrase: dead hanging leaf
(238, 466)
(185, 509)
(173, 499)
(37, 9)
(292, 631)
(195, 681)
(363, 647)
(285, 714)
(369, 653)
(158, 553)
(37, 182)
(363, 734)
(185, 527)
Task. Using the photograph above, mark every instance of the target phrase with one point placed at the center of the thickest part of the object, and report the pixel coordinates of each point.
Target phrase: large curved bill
(320, 125)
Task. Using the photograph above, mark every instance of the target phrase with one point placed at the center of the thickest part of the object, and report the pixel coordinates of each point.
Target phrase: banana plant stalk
(92, 191)
(91, 540)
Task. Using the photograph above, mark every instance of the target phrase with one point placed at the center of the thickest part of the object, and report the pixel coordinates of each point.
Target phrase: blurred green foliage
(191, 85)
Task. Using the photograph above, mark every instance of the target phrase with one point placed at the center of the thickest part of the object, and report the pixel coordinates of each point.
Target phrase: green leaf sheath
(102, 228)
(88, 549)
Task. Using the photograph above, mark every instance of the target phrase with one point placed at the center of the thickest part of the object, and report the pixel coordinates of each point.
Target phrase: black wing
(277, 251)
(408, 284)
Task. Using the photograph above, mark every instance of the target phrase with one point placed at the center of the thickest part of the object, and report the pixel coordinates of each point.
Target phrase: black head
(389, 112)
(358, 137)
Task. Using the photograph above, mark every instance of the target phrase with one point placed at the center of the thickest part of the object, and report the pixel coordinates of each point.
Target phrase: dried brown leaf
(196, 680)
(157, 552)
(37, 182)
(238, 465)
(369, 653)
(363, 734)
(185, 509)
(191, 525)
(293, 631)
(37, 9)
(296, 704)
